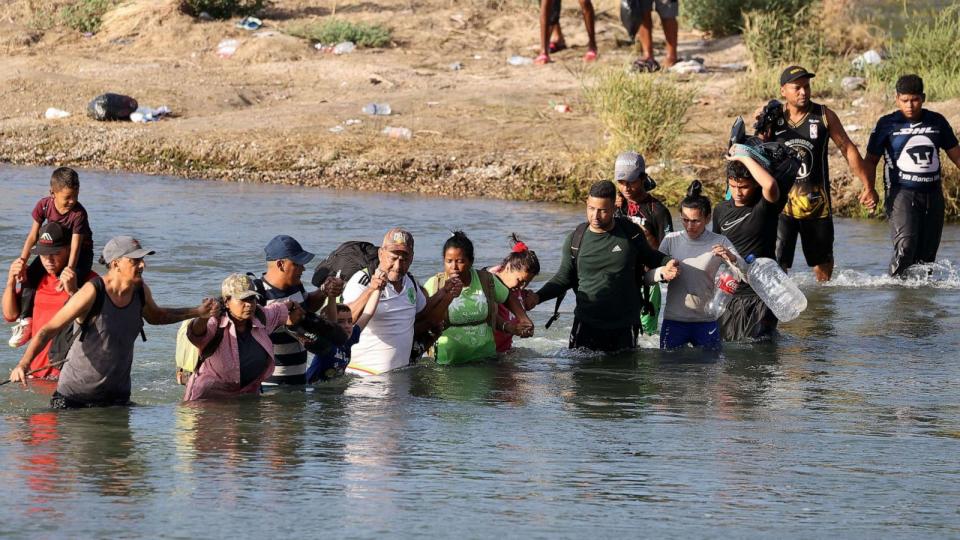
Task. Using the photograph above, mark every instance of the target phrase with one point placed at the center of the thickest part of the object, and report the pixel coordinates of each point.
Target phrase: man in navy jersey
(808, 213)
(910, 140)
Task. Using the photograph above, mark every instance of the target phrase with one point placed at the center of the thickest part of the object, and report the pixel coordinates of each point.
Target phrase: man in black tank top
(808, 213)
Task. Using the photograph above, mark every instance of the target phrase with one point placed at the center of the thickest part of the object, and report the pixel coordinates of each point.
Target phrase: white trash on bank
(147, 114)
(344, 47)
(869, 58)
(227, 48)
(518, 60)
(398, 133)
(54, 113)
(687, 66)
(377, 109)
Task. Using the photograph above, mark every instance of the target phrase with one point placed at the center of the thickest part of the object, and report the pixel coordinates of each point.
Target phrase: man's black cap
(793, 73)
(52, 239)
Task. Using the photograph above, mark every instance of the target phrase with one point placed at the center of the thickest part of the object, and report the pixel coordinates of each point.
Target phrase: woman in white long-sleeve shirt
(700, 252)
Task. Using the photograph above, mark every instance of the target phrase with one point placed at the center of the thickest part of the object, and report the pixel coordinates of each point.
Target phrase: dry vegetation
(265, 114)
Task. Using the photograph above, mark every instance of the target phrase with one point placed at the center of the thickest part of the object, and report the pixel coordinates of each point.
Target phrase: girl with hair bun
(471, 313)
(700, 252)
(516, 271)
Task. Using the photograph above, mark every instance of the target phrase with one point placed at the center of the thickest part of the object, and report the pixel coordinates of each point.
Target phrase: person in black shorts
(910, 140)
(808, 212)
(749, 219)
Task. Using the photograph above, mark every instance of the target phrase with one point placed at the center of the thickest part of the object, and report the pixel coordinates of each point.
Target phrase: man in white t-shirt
(386, 342)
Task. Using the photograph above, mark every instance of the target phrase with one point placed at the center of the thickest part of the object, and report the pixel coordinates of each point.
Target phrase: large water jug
(775, 288)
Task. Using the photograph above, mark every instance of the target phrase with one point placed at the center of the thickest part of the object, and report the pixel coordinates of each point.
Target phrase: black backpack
(348, 259)
(61, 343)
(106, 107)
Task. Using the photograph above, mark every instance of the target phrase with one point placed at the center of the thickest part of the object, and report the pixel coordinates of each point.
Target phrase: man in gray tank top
(109, 315)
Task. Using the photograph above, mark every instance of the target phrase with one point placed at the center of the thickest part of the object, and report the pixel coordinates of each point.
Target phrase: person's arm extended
(156, 315)
(75, 241)
(954, 155)
(851, 153)
(30, 241)
(75, 308)
(11, 301)
(369, 310)
(562, 280)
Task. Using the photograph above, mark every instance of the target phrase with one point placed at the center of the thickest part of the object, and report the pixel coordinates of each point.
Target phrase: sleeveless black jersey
(810, 196)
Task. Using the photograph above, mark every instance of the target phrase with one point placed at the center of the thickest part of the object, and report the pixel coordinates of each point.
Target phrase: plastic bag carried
(106, 107)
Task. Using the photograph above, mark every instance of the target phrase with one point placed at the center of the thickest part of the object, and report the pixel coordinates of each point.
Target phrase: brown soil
(265, 114)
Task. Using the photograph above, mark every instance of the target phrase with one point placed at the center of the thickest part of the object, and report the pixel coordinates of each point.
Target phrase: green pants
(649, 322)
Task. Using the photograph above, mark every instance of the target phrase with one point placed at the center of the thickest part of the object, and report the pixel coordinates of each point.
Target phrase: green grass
(725, 17)
(85, 15)
(776, 40)
(640, 112)
(929, 49)
(337, 30)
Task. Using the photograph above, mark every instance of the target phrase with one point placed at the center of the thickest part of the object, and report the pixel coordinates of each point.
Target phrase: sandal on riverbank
(591, 56)
(542, 59)
(646, 66)
(557, 46)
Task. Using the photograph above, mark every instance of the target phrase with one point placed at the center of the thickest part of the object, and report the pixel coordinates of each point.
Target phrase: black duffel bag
(111, 107)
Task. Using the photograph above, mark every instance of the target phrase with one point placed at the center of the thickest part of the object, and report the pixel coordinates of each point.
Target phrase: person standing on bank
(910, 140)
(110, 312)
(808, 213)
(286, 260)
(604, 271)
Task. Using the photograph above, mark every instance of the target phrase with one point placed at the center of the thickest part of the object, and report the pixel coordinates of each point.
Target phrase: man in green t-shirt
(604, 275)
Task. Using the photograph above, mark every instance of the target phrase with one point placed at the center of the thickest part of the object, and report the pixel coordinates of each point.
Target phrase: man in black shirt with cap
(808, 212)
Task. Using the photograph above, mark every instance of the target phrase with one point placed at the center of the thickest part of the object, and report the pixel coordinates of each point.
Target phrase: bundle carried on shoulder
(781, 161)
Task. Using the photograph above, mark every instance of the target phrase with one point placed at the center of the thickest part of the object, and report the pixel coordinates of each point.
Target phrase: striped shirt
(289, 353)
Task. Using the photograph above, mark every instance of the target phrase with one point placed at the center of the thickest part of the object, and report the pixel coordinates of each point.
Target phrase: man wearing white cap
(112, 308)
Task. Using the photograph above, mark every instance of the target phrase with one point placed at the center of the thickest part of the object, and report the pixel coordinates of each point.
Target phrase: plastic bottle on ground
(54, 113)
(726, 284)
(775, 288)
(518, 60)
(398, 133)
(378, 109)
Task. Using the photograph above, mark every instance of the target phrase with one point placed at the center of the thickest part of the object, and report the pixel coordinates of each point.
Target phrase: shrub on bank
(777, 39)
(928, 49)
(725, 17)
(641, 112)
(85, 15)
(222, 9)
(337, 30)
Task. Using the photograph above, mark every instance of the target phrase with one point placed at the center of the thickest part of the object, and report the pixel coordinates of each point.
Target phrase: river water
(849, 424)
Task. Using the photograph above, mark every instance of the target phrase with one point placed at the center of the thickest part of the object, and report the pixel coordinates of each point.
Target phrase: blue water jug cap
(750, 258)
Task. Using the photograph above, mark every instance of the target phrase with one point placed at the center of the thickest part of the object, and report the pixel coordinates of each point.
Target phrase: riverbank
(279, 111)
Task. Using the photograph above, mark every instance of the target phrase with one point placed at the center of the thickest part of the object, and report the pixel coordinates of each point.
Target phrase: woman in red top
(516, 271)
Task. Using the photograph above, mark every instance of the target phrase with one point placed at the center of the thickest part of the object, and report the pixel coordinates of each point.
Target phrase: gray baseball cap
(123, 246)
(629, 167)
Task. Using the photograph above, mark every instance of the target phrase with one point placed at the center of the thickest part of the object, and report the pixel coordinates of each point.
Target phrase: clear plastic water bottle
(518, 60)
(775, 288)
(377, 109)
(726, 284)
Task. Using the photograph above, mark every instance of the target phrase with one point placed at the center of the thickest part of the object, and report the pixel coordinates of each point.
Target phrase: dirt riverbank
(266, 114)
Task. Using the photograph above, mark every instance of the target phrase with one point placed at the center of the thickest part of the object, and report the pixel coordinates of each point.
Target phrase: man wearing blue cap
(286, 261)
